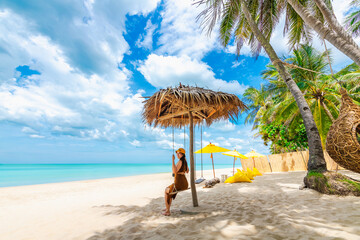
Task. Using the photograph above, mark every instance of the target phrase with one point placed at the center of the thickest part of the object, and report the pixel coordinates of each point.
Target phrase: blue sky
(72, 74)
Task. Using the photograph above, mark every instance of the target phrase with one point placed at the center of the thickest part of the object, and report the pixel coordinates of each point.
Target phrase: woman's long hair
(183, 159)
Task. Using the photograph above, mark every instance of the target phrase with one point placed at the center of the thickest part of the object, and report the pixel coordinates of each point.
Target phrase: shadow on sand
(268, 208)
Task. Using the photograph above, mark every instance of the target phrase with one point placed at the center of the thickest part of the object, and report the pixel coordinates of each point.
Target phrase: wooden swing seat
(177, 191)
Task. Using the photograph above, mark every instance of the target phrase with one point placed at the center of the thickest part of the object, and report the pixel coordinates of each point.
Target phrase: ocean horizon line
(102, 163)
(31, 174)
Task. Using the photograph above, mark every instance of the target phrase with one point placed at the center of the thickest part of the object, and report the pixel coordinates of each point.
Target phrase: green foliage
(352, 22)
(315, 174)
(319, 182)
(284, 139)
(274, 112)
(352, 183)
(273, 103)
(233, 24)
(332, 183)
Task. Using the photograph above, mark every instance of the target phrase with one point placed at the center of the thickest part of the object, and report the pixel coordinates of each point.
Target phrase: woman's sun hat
(180, 150)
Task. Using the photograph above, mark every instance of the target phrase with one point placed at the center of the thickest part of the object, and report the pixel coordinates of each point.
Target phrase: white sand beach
(272, 207)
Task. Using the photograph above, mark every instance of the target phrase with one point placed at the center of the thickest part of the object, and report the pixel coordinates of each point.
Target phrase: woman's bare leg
(167, 201)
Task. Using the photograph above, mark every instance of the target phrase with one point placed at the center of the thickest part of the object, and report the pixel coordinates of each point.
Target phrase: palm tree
(333, 32)
(263, 103)
(317, 87)
(258, 101)
(350, 80)
(272, 107)
(353, 19)
(326, 10)
(242, 17)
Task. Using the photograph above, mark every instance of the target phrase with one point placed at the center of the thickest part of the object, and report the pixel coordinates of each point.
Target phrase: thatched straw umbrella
(189, 106)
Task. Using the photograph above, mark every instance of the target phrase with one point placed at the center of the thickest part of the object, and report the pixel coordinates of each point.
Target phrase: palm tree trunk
(328, 112)
(316, 154)
(333, 22)
(326, 33)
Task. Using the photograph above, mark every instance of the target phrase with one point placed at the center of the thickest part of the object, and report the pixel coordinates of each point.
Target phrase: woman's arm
(174, 169)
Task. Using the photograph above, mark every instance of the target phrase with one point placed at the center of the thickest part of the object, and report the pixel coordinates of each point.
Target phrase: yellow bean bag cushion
(250, 175)
(256, 172)
(230, 180)
(238, 177)
(250, 172)
(241, 177)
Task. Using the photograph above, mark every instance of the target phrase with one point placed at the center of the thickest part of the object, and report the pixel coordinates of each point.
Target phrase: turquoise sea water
(29, 174)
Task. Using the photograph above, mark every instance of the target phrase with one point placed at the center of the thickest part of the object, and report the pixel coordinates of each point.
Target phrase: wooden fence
(285, 162)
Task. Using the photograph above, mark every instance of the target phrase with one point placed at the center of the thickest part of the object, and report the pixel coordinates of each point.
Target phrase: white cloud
(245, 50)
(235, 64)
(238, 147)
(224, 126)
(163, 138)
(63, 99)
(89, 32)
(136, 143)
(81, 92)
(231, 143)
(181, 34)
(36, 136)
(237, 137)
(164, 71)
(146, 40)
(236, 140)
(28, 130)
(168, 144)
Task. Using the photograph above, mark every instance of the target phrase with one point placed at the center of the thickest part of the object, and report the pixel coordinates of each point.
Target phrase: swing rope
(194, 154)
(173, 138)
(184, 138)
(201, 153)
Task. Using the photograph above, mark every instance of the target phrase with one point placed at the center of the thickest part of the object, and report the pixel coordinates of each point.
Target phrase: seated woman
(180, 182)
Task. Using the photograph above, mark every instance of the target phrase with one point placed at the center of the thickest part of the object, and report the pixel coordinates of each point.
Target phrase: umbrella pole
(253, 163)
(234, 166)
(192, 169)
(212, 159)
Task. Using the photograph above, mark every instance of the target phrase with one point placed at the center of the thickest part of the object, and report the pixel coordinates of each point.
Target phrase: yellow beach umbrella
(253, 155)
(212, 148)
(234, 154)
